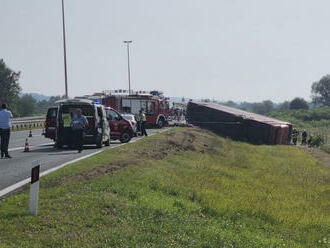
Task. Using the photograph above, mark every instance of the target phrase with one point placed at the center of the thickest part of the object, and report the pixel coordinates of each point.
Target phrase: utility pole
(127, 42)
(64, 48)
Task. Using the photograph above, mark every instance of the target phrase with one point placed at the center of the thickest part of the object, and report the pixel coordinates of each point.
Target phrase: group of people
(78, 124)
(304, 136)
(178, 114)
(5, 125)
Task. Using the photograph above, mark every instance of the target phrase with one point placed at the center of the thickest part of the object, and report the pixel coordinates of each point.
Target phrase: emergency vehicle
(155, 106)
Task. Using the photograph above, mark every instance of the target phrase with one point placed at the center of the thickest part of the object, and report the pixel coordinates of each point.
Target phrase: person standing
(78, 124)
(5, 125)
(143, 121)
(304, 137)
(295, 134)
(138, 125)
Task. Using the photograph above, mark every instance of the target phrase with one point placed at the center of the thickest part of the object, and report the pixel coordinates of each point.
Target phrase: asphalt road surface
(41, 149)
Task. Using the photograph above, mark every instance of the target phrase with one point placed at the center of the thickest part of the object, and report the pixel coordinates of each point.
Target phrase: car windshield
(128, 117)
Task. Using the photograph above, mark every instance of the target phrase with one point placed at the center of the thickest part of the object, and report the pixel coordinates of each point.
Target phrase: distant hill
(38, 97)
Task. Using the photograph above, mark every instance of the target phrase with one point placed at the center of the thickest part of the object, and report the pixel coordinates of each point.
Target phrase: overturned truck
(238, 124)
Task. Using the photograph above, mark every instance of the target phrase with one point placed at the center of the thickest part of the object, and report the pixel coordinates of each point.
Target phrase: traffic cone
(26, 147)
(30, 134)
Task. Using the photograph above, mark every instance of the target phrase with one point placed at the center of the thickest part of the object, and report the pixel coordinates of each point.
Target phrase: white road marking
(22, 147)
(25, 181)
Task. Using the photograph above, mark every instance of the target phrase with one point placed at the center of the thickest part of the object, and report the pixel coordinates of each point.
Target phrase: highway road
(41, 149)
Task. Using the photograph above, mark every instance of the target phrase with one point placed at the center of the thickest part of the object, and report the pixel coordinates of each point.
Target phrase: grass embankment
(183, 188)
(315, 121)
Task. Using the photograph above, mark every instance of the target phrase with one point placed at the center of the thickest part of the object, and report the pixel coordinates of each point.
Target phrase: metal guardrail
(27, 122)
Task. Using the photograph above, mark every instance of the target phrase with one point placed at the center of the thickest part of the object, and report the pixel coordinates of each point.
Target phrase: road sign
(34, 190)
(35, 174)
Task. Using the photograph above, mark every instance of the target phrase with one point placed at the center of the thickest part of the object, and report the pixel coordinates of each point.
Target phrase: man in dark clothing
(78, 124)
(295, 134)
(5, 125)
(304, 137)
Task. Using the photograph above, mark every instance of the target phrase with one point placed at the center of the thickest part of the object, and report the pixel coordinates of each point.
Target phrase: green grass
(182, 188)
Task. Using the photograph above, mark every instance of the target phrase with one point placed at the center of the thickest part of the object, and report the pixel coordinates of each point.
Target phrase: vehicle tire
(58, 145)
(99, 143)
(107, 143)
(160, 123)
(125, 138)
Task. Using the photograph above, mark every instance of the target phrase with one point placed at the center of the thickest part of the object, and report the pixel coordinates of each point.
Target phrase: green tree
(299, 103)
(321, 91)
(9, 86)
(42, 106)
(263, 108)
(27, 106)
(231, 104)
(283, 106)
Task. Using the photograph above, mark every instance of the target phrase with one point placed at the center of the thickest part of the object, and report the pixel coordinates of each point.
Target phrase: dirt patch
(321, 156)
(173, 143)
(104, 169)
(95, 172)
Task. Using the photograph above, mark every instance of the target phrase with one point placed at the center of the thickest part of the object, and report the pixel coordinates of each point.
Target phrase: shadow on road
(58, 151)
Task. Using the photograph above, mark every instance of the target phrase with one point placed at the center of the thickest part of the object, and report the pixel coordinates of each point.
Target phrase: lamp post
(127, 42)
(64, 48)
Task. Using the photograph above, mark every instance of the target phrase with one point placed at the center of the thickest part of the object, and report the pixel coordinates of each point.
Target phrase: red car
(120, 128)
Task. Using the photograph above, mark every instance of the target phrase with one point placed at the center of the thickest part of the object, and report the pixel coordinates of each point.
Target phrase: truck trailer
(239, 124)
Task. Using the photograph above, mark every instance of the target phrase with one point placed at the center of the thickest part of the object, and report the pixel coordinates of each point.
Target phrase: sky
(241, 50)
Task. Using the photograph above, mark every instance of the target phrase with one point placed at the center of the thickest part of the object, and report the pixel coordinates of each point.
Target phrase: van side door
(50, 123)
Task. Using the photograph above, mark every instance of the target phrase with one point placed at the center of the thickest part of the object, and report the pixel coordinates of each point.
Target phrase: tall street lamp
(127, 42)
(64, 48)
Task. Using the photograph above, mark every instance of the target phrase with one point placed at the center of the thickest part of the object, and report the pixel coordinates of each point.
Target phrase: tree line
(10, 93)
(320, 91)
(26, 105)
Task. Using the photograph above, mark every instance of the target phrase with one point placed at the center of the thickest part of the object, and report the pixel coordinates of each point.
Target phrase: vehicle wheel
(107, 143)
(125, 138)
(160, 123)
(58, 145)
(99, 143)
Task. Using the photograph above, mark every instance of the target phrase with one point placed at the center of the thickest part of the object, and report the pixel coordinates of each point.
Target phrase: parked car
(132, 121)
(50, 123)
(121, 128)
(97, 131)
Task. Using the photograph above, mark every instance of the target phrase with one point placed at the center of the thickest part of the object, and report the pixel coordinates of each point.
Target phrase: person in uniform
(138, 124)
(78, 124)
(143, 120)
(295, 136)
(5, 125)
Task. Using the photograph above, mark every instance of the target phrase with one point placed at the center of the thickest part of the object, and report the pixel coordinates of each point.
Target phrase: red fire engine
(156, 108)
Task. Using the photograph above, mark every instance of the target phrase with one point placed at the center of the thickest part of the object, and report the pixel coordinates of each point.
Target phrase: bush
(317, 141)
